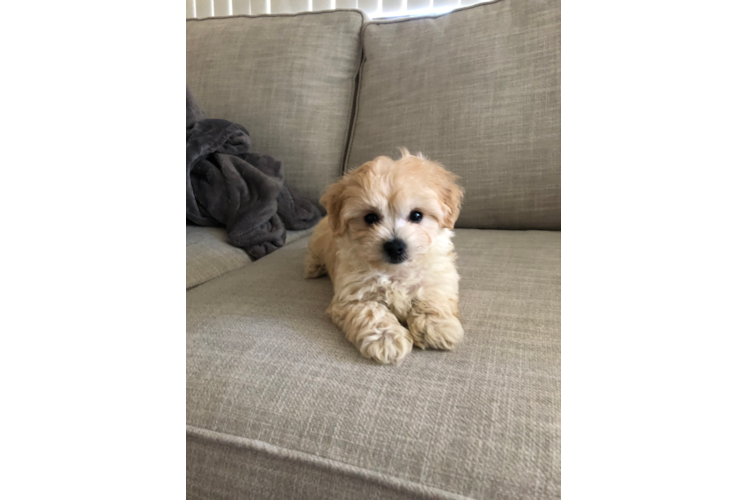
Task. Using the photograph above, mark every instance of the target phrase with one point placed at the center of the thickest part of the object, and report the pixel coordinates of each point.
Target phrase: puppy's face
(393, 211)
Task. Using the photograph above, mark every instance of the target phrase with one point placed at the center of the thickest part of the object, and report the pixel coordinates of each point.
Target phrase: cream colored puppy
(387, 245)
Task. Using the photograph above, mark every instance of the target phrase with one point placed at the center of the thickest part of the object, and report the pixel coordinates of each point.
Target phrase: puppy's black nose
(395, 250)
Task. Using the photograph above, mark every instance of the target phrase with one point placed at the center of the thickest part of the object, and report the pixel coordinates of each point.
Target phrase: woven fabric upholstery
(280, 405)
(477, 89)
(289, 79)
(210, 255)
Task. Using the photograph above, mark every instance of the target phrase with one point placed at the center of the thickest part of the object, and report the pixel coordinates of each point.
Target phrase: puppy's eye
(415, 216)
(371, 218)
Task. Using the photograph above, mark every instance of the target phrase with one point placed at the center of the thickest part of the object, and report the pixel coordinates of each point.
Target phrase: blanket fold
(227, 185)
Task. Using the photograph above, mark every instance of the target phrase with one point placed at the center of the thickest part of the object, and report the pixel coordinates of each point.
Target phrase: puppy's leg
(314, 266)
(372, 328)
(434, 321)
(320, 244)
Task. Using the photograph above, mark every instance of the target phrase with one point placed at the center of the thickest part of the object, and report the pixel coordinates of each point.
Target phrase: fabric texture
(289, 79)
(194, 113)
(280, 405)
(230, 186)
(478, 90)
(210, 255)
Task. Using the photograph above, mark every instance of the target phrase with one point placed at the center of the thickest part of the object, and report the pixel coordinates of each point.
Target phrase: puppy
(386, 243)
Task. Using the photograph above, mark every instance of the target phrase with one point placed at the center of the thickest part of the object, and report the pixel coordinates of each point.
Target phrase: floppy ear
(450, 195)
(338, 194)
(333, 200)
(404, 152)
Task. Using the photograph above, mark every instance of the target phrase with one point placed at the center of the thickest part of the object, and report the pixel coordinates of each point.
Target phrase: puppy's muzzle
(395, 251)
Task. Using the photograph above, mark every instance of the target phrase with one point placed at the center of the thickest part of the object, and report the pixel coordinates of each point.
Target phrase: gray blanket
(227, 185)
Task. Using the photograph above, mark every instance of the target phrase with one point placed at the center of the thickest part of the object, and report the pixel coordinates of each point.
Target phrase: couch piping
(432, 16)
(357, 11)
(334, 466)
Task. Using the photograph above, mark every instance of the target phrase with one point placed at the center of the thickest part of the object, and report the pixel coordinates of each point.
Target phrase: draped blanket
(227, 185)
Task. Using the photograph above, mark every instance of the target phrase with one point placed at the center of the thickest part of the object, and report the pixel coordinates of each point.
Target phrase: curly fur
(383, 308)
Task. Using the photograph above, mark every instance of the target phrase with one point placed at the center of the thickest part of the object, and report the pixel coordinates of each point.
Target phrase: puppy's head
(393, 211)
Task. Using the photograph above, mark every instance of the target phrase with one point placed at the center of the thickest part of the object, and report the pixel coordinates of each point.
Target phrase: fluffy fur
(385, 308)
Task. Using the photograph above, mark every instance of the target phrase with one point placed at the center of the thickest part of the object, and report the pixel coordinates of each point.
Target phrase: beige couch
(279, 404)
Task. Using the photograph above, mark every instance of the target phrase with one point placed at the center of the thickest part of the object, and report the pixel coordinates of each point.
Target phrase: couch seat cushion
(209, 253)
(280, 405)
(478, 89)
(289, 79)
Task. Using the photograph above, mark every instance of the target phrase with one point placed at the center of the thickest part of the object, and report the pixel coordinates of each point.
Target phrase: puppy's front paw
(388, 345)
(435, 332)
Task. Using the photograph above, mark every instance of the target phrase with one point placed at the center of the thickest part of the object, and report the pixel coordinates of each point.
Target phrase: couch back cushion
(289, 79)
(478, 90)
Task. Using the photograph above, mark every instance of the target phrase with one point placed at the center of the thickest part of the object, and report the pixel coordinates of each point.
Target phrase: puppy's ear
(348, 188)
(333, 200)
(450, 195)
(404, 152)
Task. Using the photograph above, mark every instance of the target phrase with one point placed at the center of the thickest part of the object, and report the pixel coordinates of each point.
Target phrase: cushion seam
(319, 462)
(355, 103)
(216, 277)
(252, 262)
